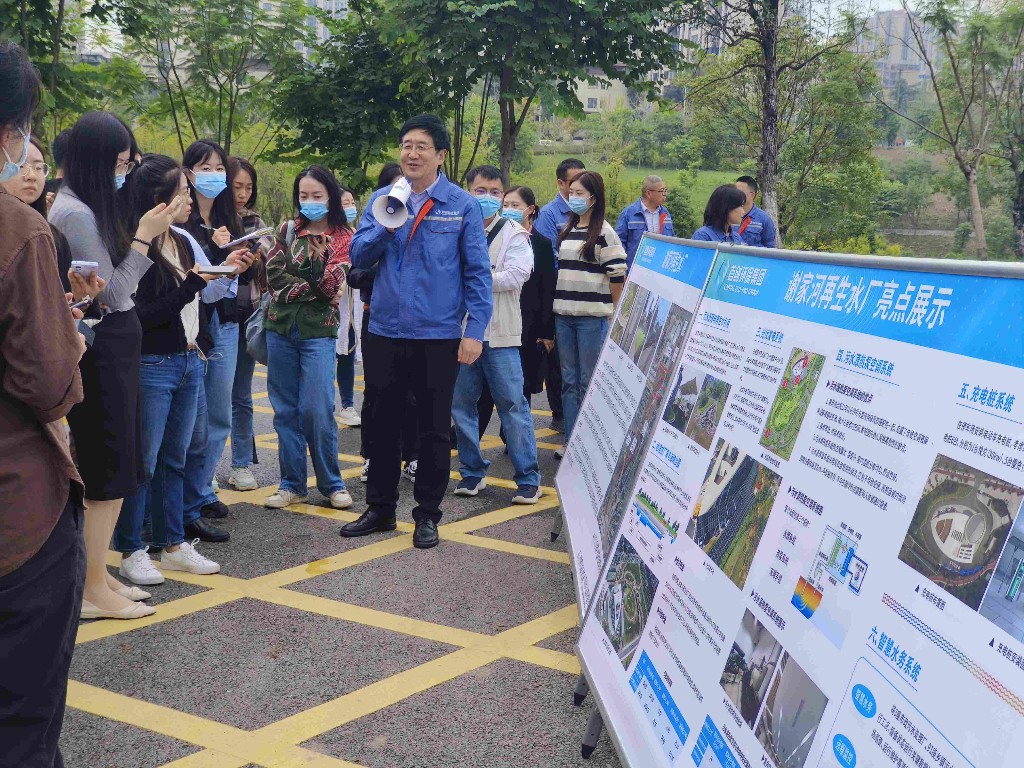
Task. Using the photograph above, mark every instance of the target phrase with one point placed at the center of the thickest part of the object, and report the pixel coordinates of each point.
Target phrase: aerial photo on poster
(625, 599)
(959, 528)
(683, 398)
(732, 510)
(791, 402)
(708, 411)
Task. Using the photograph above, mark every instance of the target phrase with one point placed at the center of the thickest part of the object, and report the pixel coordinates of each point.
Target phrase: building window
(591, 103)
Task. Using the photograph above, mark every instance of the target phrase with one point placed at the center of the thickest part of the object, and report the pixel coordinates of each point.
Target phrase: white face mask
(11, 168)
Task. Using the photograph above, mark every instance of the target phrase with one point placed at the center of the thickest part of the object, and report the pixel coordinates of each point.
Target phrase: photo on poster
(650, 513)
(750, 666)
(643, 345)
(792, 401)
(1003, 604)
(629, 297)
(708, 411)
(618, 497)
(791, 715)
(961, 523)
(683, 398)
(732, 510)
(625, 599)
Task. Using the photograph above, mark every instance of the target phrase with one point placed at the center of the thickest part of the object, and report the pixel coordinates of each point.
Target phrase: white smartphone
(85, 268)
(218, 269)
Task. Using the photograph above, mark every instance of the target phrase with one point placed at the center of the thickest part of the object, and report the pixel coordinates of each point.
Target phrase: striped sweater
(583, 288)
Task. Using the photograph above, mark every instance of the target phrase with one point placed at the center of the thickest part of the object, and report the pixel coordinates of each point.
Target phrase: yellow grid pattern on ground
(277, 745)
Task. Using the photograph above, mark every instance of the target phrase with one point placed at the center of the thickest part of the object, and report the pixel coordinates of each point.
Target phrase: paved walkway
(313, 650)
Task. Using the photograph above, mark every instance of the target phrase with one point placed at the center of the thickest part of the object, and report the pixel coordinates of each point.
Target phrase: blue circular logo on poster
(843, 749)
(864, 701)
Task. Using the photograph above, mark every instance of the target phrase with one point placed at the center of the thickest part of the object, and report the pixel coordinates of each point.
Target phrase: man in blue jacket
(757, 228)
(431, 305)
(648, 214)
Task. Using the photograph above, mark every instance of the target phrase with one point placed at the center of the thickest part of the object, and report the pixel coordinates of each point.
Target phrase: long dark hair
(336, 218)
(19, 87)
(96, 141)
(594, 184)
(528, 197)
(156, 181)
(223, 213)
(236, 164)
(724, 199)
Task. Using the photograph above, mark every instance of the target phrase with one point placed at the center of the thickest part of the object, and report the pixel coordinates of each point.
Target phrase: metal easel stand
(556, 529)
(594, 728)
(581, 691)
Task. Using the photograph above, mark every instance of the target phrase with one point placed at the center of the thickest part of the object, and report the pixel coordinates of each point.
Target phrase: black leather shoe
(371, 521)
(425, 535)
(214, 511)
(204, 531)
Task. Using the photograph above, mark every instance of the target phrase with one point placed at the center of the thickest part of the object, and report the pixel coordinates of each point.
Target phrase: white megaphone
(390, 209)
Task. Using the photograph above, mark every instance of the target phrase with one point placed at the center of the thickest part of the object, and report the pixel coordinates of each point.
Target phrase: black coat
(537, 305)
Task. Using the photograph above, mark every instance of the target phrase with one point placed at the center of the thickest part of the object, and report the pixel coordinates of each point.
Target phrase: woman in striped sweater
(591, 271)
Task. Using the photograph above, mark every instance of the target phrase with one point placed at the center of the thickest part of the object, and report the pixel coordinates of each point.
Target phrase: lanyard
(661, 223)
(419, 218)
(745, 224)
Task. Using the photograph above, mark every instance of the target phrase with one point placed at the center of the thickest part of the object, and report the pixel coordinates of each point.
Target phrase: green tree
(1010, 125)
(526, 47)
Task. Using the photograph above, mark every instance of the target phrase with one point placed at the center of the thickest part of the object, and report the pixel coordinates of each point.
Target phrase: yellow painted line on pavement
(545, 657)
(260, 395)
(175, 609)
(498, 516)
(363, 554)
(509, 547)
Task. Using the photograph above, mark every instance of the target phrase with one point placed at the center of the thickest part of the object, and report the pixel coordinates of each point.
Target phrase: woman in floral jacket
(306, 268)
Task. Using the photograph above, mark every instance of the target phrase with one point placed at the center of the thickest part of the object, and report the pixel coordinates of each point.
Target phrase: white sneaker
(138, 568)
(188, 559)
(243, 479)
(282, 498)
(366, 472)
(409, 473)
(341, 500)
(350, 417)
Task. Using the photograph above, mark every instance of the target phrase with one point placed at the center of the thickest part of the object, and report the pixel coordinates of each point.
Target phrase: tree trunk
(507, 148)
(977, 218)
(57, 35)
(1017, 209)
(768, 170)
(26, 41)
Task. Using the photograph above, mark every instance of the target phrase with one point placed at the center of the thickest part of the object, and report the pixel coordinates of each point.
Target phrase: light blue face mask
(119, 179)
(489, 205)
(210, 183)
(314, 211)
(513, 214)
(351, 213)
(579, 205)
(11, 168)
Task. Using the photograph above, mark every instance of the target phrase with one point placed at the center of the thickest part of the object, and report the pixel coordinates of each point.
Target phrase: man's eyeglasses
(419, 148)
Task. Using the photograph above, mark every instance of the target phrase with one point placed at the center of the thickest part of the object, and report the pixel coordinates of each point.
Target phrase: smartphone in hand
(85, 268)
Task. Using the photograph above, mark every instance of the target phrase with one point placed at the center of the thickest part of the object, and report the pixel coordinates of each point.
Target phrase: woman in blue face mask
(213, 222)
(306, 270)
(591, 271)
(346, 347)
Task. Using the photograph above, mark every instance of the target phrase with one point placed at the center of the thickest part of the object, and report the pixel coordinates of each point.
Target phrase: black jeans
(40, 604)
(428, 368)
(410, 433)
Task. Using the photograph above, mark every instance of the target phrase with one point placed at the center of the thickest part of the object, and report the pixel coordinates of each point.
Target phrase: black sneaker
(214, 511)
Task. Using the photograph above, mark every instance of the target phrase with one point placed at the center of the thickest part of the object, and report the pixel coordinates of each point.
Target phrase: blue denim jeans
(502, 369)
(170, 387)
(300, 381)
(213, 423)
(242, 450)
(579, 341)
(347, 372)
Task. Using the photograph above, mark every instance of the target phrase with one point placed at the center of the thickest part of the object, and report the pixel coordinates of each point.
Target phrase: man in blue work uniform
(648, 214)
(550, 221)
(757, 227)
(433, 273)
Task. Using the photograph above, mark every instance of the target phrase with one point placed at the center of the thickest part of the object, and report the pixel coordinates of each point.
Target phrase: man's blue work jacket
(428, 279)
(632, 224)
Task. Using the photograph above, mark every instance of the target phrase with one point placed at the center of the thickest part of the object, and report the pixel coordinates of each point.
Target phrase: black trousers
(40, 604)
(410, 433)
(428, 368)
(553, 384)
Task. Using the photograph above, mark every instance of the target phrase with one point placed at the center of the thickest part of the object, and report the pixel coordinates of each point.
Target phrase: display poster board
(822, 562)
(627, 392)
